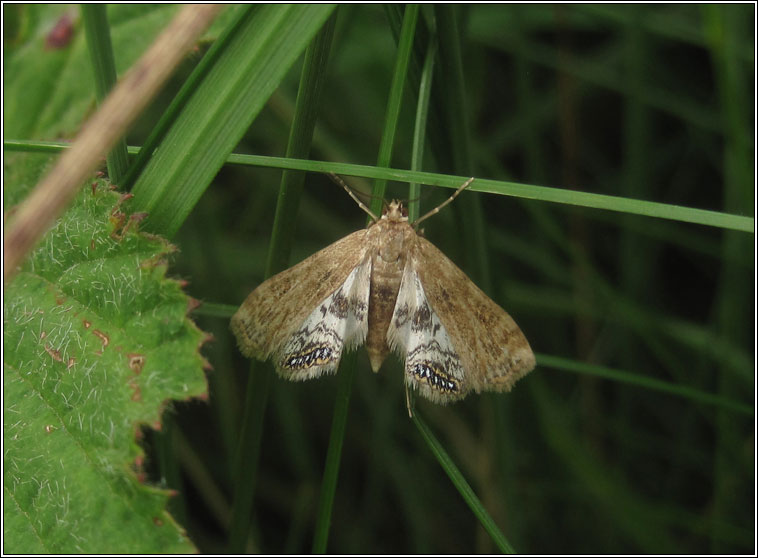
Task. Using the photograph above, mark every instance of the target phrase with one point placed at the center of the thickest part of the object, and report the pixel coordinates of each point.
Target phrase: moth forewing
(432, 365)
(339, 322)
(492, 349)
(274, 311)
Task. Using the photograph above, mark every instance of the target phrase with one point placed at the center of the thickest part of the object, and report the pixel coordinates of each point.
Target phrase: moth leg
(408, 400)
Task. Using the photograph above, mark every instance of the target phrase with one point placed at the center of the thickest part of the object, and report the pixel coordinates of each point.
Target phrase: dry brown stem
(100, 133)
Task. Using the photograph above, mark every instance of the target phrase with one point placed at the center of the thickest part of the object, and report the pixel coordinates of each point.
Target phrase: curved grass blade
(462, 486)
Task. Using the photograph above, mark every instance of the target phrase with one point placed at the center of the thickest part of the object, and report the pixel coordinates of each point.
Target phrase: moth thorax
(392, 248)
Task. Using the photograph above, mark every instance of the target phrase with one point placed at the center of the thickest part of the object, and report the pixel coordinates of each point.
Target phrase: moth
(391, 289)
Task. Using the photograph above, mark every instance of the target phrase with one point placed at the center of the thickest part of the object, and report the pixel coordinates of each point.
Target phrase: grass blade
(707, 217)
(334, 453)
(639, 380)
(222, 108)
(402, 62)
(301, 135)
(331, 470)
(462, 486)
(419, 131)
(104, 69)
(170, 115)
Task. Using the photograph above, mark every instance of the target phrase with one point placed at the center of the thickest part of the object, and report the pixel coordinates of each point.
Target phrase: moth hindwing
(393, 290)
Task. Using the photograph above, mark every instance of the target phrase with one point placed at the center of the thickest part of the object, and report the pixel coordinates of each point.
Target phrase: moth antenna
(362, 205)
(444, 203)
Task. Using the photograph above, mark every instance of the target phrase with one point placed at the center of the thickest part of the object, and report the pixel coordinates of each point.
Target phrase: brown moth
(391, 289)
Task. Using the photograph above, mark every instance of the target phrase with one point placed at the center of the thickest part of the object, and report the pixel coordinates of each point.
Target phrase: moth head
(395, 211)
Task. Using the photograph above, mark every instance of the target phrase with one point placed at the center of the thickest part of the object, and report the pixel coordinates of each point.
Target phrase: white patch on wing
(432, 365)
(340, 321)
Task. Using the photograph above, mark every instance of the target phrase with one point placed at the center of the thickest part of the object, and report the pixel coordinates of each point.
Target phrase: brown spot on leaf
(158, 521)
(86, 323)
(71, 362)
(49, 428)
(136, 362)
(103, 338)
(53, 353)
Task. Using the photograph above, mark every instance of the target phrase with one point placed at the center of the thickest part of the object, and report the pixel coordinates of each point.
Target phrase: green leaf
(96, 342)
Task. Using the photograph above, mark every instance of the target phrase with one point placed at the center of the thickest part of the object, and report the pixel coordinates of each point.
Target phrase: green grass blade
(331, 470)
(301, 135)
(100, 49)
(725, 37)
(178, 102)
(402, 61)
(419, 131)
(346, 374)
(247, 456)
(233, 92)
(462, 486)
(560, 363)
(707, 217)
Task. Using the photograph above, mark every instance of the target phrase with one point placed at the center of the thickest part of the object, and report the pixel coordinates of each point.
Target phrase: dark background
(636, 101)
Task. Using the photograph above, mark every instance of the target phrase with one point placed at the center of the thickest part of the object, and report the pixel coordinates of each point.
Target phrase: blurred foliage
(652, 102)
